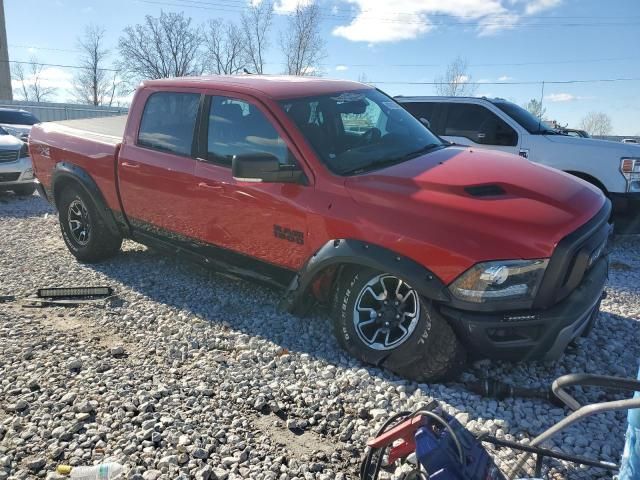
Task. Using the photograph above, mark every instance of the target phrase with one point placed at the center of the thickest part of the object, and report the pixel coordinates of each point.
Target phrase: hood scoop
(485, 190)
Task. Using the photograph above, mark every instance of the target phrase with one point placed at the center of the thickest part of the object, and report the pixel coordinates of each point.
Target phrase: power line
(22, 62)
(507, 64)
(528, 82)
(44, 48)
(336, 17)
(241, 4)
(403, 65)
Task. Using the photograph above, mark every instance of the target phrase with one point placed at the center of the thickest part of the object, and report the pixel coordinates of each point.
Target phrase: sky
(399, 44)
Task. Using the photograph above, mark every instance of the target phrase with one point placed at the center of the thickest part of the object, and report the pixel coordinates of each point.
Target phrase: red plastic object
(406, 432)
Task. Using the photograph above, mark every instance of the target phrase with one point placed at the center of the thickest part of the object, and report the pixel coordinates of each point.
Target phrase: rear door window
(237, 127)
(168, 122)
(478, 124)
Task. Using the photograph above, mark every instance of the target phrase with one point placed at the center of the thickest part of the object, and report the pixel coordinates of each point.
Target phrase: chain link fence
(49, 112)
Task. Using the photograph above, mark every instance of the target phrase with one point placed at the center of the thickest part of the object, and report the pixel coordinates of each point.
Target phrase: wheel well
(592, 180)
(61, 184)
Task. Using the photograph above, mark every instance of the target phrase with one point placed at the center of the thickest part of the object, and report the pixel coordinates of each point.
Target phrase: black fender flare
(357, 252)
(64, 172)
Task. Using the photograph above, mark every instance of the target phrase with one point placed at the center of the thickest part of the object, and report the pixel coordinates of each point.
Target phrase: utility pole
(6, 92)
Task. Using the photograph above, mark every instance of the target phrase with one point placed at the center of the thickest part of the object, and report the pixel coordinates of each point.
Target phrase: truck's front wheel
(382, 320)
(83, 230)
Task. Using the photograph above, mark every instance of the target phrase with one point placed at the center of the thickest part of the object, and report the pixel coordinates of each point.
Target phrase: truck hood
(480, 204)
(605, 148)
(9, 142)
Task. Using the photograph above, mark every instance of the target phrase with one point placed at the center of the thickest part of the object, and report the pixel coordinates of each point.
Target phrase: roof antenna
(540, 114)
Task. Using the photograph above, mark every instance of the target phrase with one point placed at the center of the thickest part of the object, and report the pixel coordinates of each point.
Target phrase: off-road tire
(593, 321)
(24, 190)
(101, 244)
(431, 353)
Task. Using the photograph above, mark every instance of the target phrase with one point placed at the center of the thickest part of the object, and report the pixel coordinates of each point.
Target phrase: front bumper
(532, 334)
(626, 212)
(628, 202)
(17, 172)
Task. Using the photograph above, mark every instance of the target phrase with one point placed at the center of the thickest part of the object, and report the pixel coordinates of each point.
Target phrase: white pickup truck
(498, 124)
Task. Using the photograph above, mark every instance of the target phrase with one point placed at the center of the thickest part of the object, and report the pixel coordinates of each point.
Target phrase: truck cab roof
(436, 98)
(278, 87)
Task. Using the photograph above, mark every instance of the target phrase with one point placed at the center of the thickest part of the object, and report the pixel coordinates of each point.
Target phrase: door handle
(208, 186)
(129, 165)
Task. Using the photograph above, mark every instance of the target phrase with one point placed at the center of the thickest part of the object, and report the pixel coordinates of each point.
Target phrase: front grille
(573, 257)
(8, 155)
(9, 177)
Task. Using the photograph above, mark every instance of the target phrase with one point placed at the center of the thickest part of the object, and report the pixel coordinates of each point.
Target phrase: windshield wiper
(393, 160)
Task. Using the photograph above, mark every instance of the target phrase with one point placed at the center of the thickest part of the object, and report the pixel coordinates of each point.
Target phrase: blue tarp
(630, 467)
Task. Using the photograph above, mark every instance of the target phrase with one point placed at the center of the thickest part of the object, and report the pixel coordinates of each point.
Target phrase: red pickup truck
(423, 250)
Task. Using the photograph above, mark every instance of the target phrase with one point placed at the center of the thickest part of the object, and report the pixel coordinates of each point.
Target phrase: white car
(498, 124)
(17, 122)
(16, 172)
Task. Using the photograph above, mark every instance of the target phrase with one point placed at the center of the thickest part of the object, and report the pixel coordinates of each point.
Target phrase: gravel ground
(189, 374)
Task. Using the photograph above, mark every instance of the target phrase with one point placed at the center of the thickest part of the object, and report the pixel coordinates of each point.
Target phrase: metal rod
(587, 380)
(544, 452)
(576, 416)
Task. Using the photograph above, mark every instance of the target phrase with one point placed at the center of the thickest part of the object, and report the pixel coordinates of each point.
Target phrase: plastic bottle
(630, 467)
(104, 471)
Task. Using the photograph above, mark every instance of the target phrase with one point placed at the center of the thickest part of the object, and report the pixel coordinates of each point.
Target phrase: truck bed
(103, 129)
(88, 144)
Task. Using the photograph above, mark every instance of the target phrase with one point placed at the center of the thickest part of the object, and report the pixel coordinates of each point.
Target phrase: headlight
(28, 174)
(630, 169)
(24, 151)
(500, 281)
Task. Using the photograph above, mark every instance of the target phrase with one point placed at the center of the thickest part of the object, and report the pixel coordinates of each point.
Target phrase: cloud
(505, 78)
(50, 77)
(378, 21)
(288, 6)
(536, 6)
(561, 97)
(341, 68)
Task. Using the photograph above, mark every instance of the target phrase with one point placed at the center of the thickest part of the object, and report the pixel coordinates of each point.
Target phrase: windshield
(525, 118)
(356, 131)
(17, 118)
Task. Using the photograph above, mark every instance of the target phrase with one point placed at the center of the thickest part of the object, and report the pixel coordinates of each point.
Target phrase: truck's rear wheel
(83, 230)
(382, 320)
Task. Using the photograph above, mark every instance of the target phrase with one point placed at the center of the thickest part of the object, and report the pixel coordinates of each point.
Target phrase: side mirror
(264, 167)
(425, 122)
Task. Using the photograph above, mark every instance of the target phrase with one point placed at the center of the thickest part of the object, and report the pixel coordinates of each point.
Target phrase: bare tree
(596, 123)
(20, 77)
(94, 84)
(302, 44)
(161, 47)
(456, 82)
(225, 46)
(536, 109)
(33, 85)
(256, 23)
